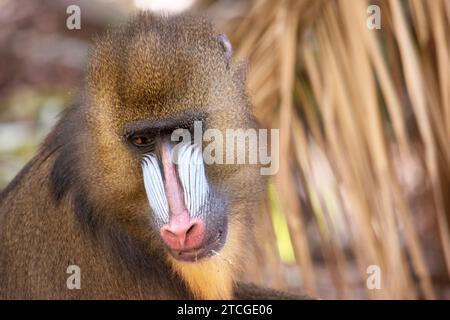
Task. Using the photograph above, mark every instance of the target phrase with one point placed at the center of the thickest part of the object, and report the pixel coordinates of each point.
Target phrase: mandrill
(107, 193)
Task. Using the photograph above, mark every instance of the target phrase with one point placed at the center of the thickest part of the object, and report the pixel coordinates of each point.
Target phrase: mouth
(210, 249)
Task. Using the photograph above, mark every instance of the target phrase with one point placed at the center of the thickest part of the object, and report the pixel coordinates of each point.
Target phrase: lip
(196, 254)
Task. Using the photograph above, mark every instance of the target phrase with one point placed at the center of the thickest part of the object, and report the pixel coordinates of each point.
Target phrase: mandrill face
(189, 212)
(150, 83)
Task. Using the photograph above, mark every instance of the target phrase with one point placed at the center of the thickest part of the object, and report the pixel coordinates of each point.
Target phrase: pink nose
(183, 236)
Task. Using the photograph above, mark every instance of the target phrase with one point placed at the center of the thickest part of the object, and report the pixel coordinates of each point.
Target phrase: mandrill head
(154, 86)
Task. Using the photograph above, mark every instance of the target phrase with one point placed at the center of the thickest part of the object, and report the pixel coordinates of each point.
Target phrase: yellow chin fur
(213, 277)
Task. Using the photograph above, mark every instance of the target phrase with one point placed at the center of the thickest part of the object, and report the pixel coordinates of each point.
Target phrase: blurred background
(364, 118)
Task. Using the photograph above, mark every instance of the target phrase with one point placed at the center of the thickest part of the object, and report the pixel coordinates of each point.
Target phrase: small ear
(227, 48)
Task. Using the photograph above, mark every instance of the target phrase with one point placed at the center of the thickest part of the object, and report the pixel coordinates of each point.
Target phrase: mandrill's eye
(142, 141)
(139, 141)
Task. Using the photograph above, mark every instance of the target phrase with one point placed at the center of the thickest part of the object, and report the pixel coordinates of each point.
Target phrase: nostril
(170, 233)
(191, 228)
(184, 236)
(170, 236)
(195, 233)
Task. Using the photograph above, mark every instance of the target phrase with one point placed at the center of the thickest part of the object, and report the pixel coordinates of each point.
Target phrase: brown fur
(214, 278)
(81, 200)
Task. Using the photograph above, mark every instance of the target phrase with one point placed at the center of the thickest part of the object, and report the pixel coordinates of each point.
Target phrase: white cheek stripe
(154, 188)
(191, 171)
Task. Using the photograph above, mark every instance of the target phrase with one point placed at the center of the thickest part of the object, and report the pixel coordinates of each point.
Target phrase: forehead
(157, 65)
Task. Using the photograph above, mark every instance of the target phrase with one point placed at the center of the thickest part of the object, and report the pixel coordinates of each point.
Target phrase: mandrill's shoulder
(249, 291)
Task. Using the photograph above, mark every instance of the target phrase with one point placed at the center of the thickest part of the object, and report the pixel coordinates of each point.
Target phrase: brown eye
(140, 141)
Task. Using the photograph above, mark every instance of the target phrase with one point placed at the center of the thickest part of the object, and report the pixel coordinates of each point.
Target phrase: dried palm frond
(364, 118)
